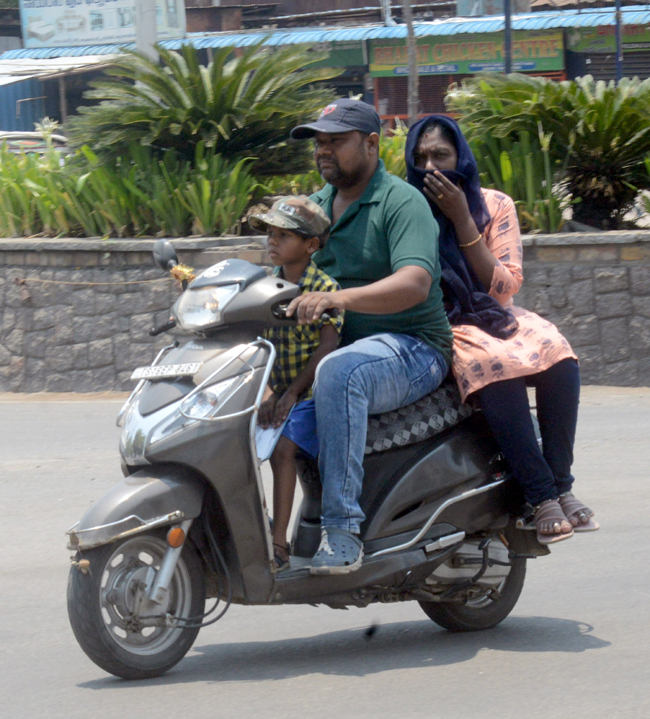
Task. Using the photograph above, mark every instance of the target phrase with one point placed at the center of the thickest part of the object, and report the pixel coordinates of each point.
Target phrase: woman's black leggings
(542, 475)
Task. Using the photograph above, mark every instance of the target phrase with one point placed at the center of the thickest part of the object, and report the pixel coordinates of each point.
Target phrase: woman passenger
(500, 349)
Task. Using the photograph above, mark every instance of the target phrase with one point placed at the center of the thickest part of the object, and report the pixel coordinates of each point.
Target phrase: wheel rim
(121, 586)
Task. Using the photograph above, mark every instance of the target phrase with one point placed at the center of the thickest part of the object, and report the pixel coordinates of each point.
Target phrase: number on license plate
(161, 371)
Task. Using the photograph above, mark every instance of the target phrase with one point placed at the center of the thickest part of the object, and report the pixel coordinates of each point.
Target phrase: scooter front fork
(160, 587)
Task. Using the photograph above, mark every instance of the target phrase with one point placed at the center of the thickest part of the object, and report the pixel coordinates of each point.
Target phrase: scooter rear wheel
(483, 613)
(101, 603)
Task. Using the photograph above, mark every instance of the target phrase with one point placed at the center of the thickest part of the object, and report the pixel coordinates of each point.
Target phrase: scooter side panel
(451, 463)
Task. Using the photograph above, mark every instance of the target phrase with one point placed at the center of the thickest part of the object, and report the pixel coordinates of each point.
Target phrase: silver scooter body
(190, 462)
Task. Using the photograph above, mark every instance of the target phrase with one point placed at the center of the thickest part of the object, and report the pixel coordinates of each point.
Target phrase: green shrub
(239, 106)
(522, 168)
(598, 133)
(137, 194)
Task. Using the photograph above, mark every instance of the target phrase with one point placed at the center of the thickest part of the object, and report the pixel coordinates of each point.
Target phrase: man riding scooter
(397, 340)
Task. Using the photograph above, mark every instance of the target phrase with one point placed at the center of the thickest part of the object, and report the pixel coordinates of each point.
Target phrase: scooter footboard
(151, 497)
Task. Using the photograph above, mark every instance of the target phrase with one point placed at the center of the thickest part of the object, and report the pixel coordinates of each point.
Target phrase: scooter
(189, 520)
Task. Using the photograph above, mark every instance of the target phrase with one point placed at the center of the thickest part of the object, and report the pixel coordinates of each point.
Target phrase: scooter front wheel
(111, 617)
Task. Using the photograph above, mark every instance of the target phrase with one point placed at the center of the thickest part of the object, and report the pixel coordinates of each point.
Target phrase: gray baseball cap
(342, 115)
(293, 212)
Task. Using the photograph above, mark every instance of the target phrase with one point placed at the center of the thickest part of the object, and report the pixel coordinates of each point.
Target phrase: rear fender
(152, 497)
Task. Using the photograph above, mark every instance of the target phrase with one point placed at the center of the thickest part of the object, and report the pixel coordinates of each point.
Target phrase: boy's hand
(267, 408)
(283, 407)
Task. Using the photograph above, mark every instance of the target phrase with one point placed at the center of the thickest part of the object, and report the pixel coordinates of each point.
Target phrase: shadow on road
(402, 645)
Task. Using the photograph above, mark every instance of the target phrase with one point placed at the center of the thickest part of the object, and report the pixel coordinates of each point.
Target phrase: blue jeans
(374, 375)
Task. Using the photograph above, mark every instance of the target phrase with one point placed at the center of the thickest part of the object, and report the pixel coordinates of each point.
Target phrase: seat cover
(418, 421)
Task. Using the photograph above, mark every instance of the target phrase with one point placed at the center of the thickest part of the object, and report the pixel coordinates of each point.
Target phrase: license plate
(162, 371)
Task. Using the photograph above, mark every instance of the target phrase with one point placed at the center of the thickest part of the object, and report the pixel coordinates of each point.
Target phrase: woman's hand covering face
(449, 197)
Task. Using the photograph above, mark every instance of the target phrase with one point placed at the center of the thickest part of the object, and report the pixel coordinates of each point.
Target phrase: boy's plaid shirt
(295, 345)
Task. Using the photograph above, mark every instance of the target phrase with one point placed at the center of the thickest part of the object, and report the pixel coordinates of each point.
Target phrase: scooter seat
(418, 421)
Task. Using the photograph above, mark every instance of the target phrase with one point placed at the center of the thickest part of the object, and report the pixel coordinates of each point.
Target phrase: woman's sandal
(281, 556)
(580, 516)
(549, 516)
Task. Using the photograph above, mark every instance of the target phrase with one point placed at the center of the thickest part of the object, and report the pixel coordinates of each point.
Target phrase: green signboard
(532, 51)
(603, 38)
(341, 54)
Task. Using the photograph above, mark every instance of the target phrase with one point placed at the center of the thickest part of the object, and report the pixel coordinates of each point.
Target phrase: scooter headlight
(206, 403)
(202, 308)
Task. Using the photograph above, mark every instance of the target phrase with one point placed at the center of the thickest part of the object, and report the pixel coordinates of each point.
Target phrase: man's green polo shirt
(389, 227)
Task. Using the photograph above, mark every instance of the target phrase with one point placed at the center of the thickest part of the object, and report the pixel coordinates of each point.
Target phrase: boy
(296, 228)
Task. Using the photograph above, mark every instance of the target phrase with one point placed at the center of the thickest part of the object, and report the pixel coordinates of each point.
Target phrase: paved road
(576, 644)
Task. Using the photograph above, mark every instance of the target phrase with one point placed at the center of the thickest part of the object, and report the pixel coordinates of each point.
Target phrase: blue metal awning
(633, 15)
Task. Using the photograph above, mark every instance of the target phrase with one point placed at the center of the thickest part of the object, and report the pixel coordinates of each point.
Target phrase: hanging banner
(532, 51)
(603, 38)
(65, 23)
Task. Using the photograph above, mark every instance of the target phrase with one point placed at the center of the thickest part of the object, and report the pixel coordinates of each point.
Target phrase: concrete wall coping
(78, 244)
(615, 237)
(96, 244)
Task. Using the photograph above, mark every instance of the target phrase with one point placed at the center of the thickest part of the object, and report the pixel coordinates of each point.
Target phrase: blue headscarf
(466, 299)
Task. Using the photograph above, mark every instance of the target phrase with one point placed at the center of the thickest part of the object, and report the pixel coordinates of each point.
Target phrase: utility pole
(507, 37)
(386, 12)
(619, 42)
(414, 79)
(146, 33)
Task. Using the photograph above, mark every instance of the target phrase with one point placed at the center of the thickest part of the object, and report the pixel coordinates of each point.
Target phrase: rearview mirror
(164, 254)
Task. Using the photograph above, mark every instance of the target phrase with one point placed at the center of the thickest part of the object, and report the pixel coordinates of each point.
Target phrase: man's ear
(373, 142)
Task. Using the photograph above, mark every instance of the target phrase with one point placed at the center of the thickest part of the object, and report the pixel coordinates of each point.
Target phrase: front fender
(151, 497)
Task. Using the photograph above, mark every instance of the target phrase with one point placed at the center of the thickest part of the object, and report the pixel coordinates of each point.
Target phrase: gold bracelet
(473, 242)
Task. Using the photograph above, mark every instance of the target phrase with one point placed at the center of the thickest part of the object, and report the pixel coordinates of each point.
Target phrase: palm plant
(241, 106)
(598, 133)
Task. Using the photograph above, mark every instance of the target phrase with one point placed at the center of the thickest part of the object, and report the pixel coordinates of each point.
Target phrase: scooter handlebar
(165, 327)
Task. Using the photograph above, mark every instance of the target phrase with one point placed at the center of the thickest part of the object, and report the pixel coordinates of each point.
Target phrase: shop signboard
(341, 54)
(532, 51)
(603, 38)
(64, 23)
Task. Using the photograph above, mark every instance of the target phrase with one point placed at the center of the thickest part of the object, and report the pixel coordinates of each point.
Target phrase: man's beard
(338, 178)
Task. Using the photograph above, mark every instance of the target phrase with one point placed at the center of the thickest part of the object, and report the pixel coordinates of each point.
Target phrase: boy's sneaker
(340, 552)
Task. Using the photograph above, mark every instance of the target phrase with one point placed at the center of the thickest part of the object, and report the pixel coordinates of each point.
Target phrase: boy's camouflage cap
(297, 213)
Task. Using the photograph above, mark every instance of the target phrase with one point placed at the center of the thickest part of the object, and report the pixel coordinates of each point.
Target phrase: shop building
(557, 44)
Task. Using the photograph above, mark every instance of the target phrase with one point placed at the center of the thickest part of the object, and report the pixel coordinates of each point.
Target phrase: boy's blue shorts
(301, 427)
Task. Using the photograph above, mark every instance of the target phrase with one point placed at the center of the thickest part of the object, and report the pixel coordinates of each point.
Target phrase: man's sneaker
(340, 552)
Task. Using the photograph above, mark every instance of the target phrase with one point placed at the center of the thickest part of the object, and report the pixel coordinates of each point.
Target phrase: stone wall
(75, 315)
(596, 289)
(81, 318)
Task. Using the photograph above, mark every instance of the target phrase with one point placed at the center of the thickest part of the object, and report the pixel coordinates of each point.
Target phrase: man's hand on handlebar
(310, 306)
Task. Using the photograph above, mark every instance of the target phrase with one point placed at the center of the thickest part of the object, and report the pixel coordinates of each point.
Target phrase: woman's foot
(551, 523)
(578, 514)
(281, 556)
